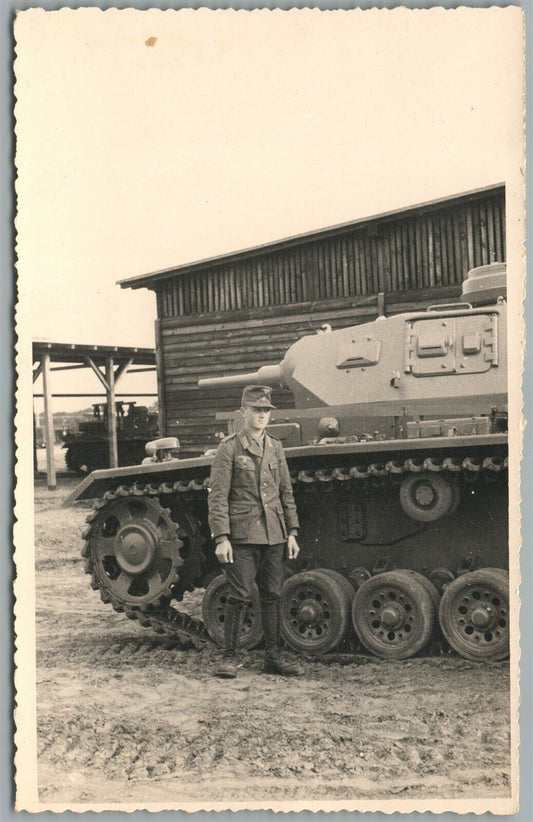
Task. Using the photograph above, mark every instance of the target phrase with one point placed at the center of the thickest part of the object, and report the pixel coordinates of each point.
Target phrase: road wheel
(213, 608)
(428, 585)
(474, 614)
(344, 584)
(314, 612)
(394, 615)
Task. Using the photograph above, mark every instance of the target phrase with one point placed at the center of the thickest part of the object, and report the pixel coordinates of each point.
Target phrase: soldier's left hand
(292, 548)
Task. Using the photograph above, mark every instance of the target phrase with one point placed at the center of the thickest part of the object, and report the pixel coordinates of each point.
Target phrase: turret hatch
(451, 345)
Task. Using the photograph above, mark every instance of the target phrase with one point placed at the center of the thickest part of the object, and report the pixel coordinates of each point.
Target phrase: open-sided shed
(236, 312)
(109, 363)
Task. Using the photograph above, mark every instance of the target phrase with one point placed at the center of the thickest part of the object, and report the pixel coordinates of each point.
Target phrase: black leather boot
(274, 664)
(233, 619)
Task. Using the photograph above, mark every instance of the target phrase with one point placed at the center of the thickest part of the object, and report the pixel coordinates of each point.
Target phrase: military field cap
(257, 395)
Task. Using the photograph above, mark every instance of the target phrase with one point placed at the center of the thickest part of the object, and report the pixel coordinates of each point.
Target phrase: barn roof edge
(151, 279)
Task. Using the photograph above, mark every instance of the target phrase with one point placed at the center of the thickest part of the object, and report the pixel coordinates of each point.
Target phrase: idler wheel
(394, 614)
(474, 614)
(133, 553)
(427, 496)
(213, 607)
(314, 611)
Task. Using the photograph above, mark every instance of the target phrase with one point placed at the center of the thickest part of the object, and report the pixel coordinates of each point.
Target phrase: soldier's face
(256, 417)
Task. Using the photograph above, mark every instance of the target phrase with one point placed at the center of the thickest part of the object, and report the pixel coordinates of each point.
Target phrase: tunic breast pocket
(243, 463)
(244, 472)
(273, 467)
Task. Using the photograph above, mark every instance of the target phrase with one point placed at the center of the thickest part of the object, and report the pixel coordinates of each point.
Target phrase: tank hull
(353, 524)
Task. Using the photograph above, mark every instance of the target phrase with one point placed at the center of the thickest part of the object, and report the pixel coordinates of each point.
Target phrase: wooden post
(36, 374)
(111, 415)
(48, 423)
(160, 384)
(35, 466)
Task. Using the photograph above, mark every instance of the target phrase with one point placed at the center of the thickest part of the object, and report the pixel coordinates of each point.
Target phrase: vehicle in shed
(397, 448)
(88, 448)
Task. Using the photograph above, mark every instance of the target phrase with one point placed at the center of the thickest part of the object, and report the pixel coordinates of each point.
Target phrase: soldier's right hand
(224, 552)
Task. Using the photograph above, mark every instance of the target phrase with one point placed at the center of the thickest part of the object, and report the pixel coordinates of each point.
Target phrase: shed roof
(152, 279)
(76, 353)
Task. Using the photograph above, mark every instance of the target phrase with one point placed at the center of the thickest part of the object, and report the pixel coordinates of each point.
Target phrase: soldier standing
(252, 516)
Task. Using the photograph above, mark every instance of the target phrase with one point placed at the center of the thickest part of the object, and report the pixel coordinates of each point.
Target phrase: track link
(469, 468)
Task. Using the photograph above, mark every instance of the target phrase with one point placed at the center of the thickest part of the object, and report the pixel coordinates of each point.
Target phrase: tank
(88, 448)
(397, 448)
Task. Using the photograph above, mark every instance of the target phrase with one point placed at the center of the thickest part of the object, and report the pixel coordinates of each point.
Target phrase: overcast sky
(149, 139)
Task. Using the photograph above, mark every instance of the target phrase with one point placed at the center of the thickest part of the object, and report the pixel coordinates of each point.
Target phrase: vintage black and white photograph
(269, 330)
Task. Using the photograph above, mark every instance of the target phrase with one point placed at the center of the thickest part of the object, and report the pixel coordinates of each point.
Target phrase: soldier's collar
(247, 436)
(249, 441)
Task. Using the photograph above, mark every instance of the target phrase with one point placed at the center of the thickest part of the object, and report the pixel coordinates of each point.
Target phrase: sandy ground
(124, 717)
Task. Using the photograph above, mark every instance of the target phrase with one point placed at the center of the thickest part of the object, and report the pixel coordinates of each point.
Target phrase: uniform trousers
(261, 564)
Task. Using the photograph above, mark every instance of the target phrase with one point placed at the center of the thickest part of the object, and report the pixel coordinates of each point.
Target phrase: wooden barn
(233, 313)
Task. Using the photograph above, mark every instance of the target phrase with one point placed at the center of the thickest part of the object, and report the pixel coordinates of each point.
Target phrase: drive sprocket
(132, 553)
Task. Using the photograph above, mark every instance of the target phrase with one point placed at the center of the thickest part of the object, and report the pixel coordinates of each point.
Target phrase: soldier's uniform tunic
(251, 509)
(251, 502)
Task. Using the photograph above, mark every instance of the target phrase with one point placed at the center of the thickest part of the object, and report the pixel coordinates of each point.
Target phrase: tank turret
(446, 362)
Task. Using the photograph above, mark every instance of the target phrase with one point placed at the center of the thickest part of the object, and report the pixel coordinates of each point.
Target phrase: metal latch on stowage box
(448, 428)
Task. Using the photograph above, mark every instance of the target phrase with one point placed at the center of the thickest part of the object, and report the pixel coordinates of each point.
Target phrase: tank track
(161, 617)
(175, 624)
(469, 468)
(179, 626)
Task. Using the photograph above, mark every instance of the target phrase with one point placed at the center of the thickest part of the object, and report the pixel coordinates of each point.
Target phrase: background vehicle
(398, 451)
(88, 449)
